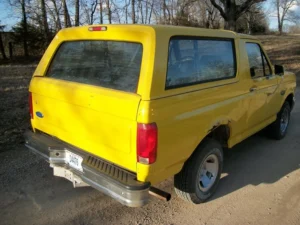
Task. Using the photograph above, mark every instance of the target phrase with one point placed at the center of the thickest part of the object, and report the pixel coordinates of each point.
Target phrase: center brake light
(146, 143)
(98, 28)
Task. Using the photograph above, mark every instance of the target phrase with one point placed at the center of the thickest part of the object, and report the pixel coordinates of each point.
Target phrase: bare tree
(24, 23)
(126, 11)
(213, 16)
(45, 22)
(151, 10)
(140, 6)
(2, 50)
(57, 22)
(133, 11)
(231, 11)
(101, 11)
(93, 10)
(283, 8)
(67, 19)
(253, 21)
(77, 13)
(108, 6)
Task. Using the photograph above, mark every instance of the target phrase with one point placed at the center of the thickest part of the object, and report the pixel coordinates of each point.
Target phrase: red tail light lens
(30, 105)
(146, 143)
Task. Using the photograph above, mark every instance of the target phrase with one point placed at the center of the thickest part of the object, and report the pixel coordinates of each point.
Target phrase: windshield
(110, 64)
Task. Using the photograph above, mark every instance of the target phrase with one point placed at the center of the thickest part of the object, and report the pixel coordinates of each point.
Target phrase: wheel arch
(290, 100)
(220, 133)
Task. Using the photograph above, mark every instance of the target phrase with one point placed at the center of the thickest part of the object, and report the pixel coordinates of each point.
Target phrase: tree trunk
(230, 10)
(2, 50)
(25, 34)
(278, 17)
(101, 11)
(141, 10)
(133, 11)
(150, 13)
(67, 19)
(164, 11)
(230, 25)
(76, 13)
(108, 11)
(146, 12)
(126, 12)
(58, 22)
(93, 10)
(45, 23)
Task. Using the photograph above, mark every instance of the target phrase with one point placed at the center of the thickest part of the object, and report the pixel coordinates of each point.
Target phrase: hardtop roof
(180, 30)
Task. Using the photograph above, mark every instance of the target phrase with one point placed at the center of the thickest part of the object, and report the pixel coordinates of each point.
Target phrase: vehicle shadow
(260, 160)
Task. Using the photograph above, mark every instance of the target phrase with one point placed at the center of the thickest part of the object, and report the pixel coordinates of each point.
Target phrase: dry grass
(283, 50)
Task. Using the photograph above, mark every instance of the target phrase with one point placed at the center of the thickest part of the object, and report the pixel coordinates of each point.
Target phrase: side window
(255, 60)
(199, 60)
(259, 66)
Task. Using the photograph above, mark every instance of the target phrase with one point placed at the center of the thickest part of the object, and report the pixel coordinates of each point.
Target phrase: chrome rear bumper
(101, 175)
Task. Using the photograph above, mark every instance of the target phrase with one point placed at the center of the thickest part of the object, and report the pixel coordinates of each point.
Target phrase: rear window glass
(109, 64)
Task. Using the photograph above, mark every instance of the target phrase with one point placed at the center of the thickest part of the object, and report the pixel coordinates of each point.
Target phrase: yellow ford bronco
(124, 107)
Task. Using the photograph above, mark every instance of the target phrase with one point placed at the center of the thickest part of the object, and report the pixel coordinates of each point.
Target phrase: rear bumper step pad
(98, 173)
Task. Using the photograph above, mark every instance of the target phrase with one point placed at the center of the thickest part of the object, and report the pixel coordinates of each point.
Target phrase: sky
(9, 18)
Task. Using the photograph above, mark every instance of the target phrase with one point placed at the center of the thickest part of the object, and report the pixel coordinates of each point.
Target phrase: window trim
(262, 55)
(187, 37)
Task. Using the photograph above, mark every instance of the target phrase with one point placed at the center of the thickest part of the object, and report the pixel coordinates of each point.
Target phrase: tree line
(42, 19)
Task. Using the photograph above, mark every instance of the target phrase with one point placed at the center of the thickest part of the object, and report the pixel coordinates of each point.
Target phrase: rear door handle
(253, 89)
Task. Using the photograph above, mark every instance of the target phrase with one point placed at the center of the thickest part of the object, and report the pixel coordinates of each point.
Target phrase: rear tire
(200, 175)
(278, 129)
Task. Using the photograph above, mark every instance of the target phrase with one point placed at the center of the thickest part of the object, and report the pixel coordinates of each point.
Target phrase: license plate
(74, 160)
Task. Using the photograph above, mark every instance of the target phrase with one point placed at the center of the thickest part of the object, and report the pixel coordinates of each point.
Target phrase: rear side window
(193, 61)
(110, 64)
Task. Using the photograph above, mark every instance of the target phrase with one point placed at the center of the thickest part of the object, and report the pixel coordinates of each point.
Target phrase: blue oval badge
(39, 114)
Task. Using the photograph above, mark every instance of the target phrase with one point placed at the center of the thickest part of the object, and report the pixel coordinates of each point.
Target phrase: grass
(283, 50)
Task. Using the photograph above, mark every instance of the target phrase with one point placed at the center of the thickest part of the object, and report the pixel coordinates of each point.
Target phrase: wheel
(200, 175)
(278, 129)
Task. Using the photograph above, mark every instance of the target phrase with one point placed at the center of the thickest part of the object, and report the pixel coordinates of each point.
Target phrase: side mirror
(279, 70)
(252, 71)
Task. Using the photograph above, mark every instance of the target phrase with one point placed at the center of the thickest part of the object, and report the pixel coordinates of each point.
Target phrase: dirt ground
(260, 183)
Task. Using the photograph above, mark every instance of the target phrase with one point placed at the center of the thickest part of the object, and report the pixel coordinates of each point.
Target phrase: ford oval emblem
(39, 114)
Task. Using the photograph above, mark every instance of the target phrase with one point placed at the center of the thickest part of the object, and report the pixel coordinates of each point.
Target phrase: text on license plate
(74, 160)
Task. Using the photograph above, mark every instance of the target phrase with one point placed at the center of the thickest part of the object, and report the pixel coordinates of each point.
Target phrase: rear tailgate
(96, 120)
(87, 96)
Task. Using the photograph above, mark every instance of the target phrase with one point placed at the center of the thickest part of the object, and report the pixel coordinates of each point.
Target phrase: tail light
(30, 105)
(146, 143)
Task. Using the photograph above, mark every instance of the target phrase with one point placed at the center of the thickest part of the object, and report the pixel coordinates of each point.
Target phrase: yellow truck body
(103, 122)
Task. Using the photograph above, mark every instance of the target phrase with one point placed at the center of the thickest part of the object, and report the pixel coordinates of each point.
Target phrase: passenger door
(263, 86)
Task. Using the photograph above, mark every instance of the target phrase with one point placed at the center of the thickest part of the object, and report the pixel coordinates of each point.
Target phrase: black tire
(274, 130)
(187, 182)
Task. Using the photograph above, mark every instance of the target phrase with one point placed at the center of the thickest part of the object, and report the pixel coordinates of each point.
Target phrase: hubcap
(284, 120)
(208, 172)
